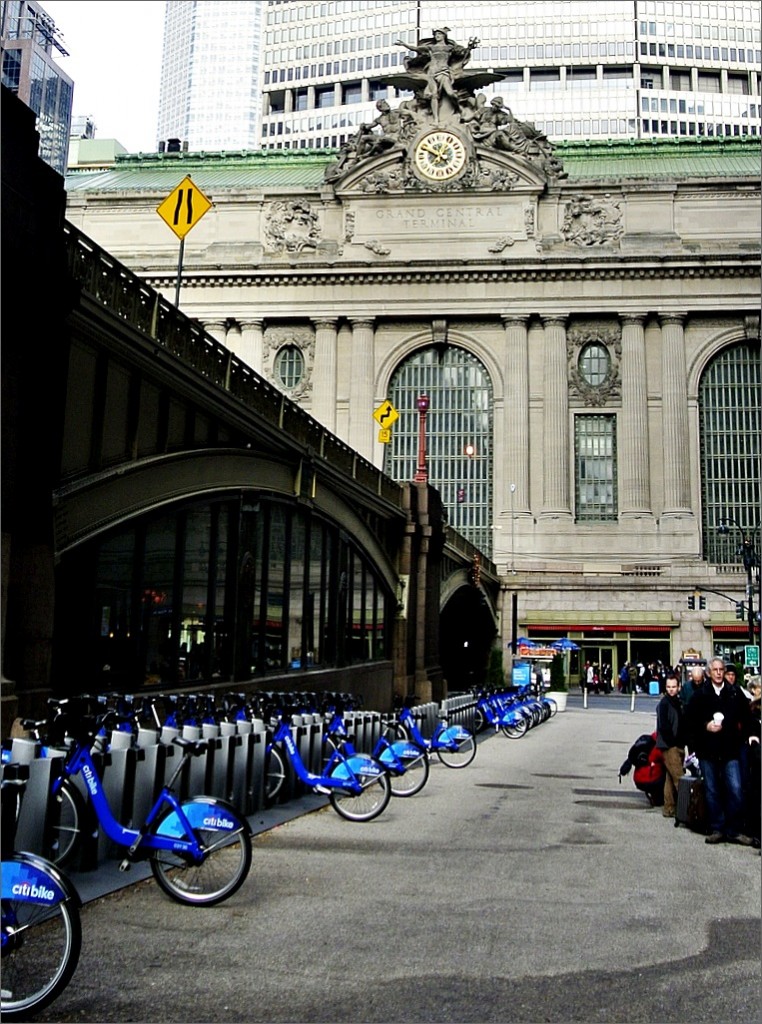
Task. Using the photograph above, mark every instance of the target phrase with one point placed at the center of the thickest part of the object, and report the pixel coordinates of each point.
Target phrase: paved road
(530, 886)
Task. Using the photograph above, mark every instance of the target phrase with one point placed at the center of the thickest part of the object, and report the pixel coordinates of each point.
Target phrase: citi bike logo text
(90, 779)
(214, 822)
(35, 892)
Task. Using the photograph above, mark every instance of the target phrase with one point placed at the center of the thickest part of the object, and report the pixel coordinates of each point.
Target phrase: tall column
(555, 475)
(633, 449)
(361, 390)
(324, 373)
(217, 329)
(675, 416)
(516, 417)
(251, 347)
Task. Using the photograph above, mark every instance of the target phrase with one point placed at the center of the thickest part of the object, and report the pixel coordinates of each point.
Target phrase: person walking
(670, 739)
(719, 722)
(696, 678)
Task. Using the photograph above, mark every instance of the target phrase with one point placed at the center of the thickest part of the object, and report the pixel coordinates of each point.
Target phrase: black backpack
(638, 755)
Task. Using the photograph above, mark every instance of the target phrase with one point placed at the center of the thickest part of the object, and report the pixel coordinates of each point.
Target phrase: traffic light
(740, 610)
(692, 602)
(702, 603)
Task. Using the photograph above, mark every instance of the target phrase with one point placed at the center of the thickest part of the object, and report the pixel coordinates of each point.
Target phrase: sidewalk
(529, 887)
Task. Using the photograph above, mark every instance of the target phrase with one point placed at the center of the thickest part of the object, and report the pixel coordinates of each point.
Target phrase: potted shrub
(558, 690)
(495, 671)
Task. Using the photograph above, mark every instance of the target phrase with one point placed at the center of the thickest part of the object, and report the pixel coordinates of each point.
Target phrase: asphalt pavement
(530, 886)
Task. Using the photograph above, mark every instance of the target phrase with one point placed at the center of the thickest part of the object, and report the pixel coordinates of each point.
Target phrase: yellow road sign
(385, 435)
(386, 415)
(184, 207)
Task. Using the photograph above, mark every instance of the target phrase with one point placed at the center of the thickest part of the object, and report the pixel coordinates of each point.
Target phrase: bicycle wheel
(516, 730)
(275, 773)
(40, 951)
(552, 705)
(376, 794)
(479, 720)
(227, 854)
(65, 824)
(414, 778)
(465, 752)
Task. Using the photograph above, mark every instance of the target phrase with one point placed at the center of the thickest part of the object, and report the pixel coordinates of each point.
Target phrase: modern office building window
(595, 468)
(730, 445)
(210, 91)
(28, 40)
(458, 434)
(546, 51)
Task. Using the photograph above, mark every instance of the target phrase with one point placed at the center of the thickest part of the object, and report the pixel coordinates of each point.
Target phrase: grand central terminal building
(583, 318)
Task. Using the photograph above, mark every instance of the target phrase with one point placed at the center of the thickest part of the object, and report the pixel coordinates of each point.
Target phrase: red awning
(597, 627)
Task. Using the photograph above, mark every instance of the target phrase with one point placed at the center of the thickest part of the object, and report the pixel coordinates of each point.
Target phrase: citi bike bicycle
(199, 849)
(407, 763)
(40, 926)
(454, 745)
(357, 786)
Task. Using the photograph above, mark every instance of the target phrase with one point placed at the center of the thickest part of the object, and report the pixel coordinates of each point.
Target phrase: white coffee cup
(717, 717)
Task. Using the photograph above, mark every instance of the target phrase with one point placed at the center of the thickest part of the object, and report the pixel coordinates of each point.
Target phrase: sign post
(182, 210)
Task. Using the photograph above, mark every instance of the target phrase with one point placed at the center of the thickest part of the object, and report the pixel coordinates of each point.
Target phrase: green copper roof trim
(606, 160)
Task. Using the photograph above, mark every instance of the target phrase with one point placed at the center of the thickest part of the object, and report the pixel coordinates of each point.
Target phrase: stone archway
(466, 633)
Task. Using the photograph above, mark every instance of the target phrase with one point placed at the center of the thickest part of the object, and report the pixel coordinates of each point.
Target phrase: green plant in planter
(557, 674)
(495, 672)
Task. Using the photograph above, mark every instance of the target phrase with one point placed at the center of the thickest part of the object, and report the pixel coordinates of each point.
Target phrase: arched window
(730, 427)
(458, 434)
(289, 366)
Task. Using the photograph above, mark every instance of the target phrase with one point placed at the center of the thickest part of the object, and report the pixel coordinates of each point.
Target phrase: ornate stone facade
(448, 210)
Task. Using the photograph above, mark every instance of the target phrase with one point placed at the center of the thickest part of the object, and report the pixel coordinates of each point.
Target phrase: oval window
(289, 366)
(594, 364)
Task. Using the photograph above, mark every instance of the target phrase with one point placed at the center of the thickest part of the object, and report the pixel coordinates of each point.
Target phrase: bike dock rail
(232, 767)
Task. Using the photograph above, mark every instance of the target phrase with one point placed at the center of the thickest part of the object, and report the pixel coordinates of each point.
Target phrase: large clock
(439, 155)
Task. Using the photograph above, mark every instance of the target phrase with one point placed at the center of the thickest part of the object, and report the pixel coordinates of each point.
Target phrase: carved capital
(326, 323)
(677, 319)
(368, 322)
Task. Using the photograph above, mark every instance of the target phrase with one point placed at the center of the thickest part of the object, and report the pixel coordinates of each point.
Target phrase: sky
(115, 63)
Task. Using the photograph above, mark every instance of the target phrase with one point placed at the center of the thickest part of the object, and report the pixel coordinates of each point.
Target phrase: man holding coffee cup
(719, 724)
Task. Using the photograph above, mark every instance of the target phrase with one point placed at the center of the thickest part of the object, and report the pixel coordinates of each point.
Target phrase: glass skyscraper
(28, 40)
(209, 96)
(578, 70)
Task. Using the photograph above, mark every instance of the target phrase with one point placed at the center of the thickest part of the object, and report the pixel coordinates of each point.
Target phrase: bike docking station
(134, 761)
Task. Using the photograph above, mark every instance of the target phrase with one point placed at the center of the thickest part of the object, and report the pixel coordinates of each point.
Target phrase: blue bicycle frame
(495, 713)
(445, 736)
(339, 773)
(391, 754)
(197, 813)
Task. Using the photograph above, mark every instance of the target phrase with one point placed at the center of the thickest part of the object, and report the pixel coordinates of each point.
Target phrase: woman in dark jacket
(670, 739)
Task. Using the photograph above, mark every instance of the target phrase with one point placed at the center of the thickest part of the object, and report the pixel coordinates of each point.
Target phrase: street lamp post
(750, 558)
(470, 451)
(422, 473)
(513, 532)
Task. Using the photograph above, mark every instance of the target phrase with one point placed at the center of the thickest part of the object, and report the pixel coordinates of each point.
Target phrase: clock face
(439, 155)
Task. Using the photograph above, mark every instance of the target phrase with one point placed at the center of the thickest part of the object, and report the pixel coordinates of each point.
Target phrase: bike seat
(191, 747)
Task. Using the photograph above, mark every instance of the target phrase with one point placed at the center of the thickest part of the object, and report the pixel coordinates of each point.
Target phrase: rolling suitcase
(690, 811)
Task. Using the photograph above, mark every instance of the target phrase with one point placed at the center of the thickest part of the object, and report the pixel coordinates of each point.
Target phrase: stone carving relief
(593, 220)
(292, 226)
(610, 336)
(373, 245)
(302, 338)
